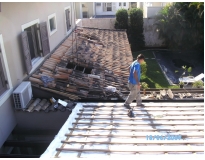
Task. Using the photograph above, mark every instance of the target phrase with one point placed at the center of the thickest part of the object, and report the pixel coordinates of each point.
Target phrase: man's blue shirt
(135, 66)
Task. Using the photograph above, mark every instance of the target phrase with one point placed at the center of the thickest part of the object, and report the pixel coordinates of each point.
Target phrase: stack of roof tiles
(44, 105)
(88, 60)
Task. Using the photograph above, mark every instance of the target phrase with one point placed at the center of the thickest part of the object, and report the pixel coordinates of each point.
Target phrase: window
(119, 3)
(98, 4)
(5, 80)
(35, 43)
(83, 5)
(108, 6)
(52, 24)
(67, 19)
(124, 3)
(85, 14)
(32, 37)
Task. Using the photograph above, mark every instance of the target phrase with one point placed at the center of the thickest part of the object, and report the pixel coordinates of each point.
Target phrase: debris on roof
(104, 129)
(90, 60)
(87, 61)
(45, 105)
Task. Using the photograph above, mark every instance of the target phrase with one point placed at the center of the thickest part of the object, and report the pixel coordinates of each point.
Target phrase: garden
(181, 27)
(154, 76)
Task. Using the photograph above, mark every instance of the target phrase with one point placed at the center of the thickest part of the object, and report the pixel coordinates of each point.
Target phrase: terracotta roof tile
(97, 50)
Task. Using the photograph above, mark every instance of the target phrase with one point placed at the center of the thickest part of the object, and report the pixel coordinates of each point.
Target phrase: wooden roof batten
(103, 130)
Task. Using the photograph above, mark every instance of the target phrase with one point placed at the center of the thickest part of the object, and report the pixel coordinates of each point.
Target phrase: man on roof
(134, 84)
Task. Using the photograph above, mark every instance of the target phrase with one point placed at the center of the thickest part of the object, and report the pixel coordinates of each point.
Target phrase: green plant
(143, 68)
(136, 35)
(189, 70)
(185, 69)
(181, 83)
(198, 84)
(121, 21)
(144, 85)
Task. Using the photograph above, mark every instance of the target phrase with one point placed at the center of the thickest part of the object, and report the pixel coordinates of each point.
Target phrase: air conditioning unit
(22, 95)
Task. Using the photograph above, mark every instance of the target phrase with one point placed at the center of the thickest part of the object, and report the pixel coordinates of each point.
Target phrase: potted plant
(181, 84)
(144, 86)
(198, 84)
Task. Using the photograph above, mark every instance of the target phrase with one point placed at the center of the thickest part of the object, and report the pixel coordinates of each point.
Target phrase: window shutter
(44, 38)
(34, 40)
(3, 87)
(67, 12)
(26, 51)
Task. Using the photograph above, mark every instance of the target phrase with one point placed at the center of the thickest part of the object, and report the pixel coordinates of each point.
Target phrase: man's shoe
(127, 106)
(131, 113)
(140, 105)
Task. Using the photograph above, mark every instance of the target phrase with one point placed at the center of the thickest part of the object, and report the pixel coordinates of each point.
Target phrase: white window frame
(69, 31)
(107, 6)
(125, 4)
(35, 61)
(9, 91)
(50, 17)
(120, 4)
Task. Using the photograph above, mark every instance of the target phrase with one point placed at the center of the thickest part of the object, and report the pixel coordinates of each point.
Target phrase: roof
(91, 59)
(45, 105)
(98, 58)
(105, 130)
(105, 16)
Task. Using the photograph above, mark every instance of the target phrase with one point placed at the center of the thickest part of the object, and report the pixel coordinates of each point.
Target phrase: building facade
(29, 32)
(95, 9)
(151, 9)
(92, 9)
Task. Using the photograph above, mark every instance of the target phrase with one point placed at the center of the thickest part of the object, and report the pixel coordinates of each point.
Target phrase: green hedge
(121, 19)
(136, 28)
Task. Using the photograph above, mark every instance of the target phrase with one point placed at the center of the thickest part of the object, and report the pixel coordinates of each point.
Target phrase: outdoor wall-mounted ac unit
(22, 95)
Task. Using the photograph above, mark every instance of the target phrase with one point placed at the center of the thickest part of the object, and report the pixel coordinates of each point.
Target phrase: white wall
(152, 11)
(7, 120)
(102, 23)
(12, 17)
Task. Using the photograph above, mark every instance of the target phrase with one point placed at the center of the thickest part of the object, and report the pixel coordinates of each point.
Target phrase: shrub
(121, 19)
(136, 29)
(189, 70)
(143, 69)
(144, 85)
(198, 84)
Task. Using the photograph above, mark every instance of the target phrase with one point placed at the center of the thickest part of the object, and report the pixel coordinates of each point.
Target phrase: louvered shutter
(3, 87)
(67, 13)
(44, 38)
(26, 51)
